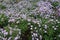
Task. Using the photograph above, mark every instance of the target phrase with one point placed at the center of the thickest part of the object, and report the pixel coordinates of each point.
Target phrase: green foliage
(50, 33)
(23, 25)
(55, 4)
(14, 32)
(2, 6)
(3, 20)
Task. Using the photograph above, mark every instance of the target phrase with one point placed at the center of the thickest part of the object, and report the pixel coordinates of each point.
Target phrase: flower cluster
(29, 20)
(45, 7)
(9, 33)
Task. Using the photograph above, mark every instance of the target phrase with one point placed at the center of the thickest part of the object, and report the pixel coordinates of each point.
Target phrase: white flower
(9, 38)
(37, 39)
(29, 20)
(11, 20)
(35, 34)
(35, 28)
(16, 38)
(56, 20)
(55, 28)
(29, 23)
(11, 32)
(24, 16)
(34, 21)
(45, 31)
(33, 38)
(39, 25)
(41, 37)
(59, 35)
(31, 28)
(45, 26)
(17, 22)
(4, 38)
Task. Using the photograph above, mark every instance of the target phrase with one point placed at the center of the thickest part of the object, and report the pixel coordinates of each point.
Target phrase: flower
(24, 4)
(24, 16)
(45, 7)
(45, 26)
(11, 20)
(59, 11)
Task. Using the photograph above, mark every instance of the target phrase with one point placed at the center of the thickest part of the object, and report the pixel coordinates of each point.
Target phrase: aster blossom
(45, 7)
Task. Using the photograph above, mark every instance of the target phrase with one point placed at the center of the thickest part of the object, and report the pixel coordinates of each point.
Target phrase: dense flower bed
(29, 19)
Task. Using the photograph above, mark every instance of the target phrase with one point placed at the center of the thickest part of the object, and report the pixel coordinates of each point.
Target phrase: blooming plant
(30, 20)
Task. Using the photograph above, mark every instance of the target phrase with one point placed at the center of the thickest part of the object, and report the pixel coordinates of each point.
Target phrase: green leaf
(46, 37)
(55, 3)
(2, 6)
(50, 31)
(3, 20)
(23, 25)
